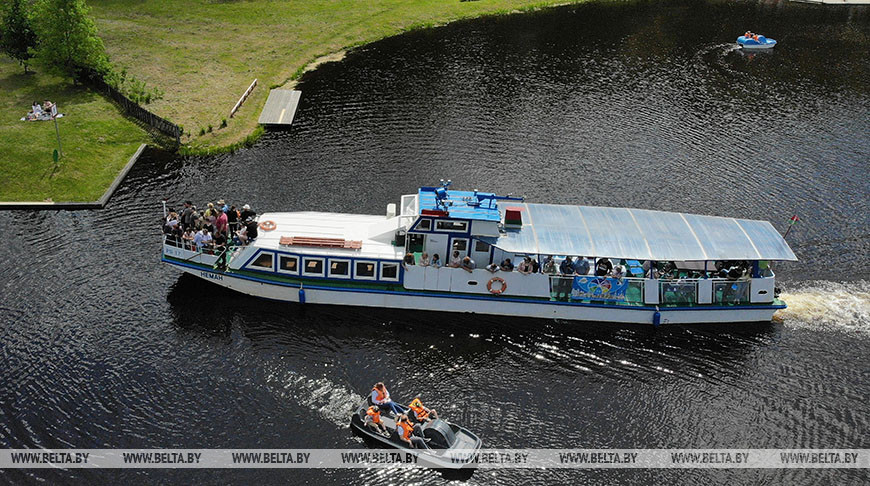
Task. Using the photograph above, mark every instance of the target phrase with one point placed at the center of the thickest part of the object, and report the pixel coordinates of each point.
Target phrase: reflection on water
(640, 104)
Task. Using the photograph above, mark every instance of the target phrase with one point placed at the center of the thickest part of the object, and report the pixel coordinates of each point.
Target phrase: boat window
(339, 268)
(263, 260)
(313, 266)
(425, 224)
(365, 270)
(288, 264)
(481, 246)
(390, 271)
(460, 244)
(447, 225)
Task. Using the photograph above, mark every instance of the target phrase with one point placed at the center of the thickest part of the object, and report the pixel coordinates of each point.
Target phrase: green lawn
(204, 53)
(97, 141)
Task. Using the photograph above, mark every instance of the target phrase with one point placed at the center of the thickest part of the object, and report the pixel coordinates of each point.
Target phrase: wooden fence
(136, 110)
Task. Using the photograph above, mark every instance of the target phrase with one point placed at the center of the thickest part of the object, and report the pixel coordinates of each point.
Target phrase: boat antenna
(164, 207)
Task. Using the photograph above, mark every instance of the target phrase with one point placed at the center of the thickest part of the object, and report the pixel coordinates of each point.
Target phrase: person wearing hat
(223, 205)
(247, 213)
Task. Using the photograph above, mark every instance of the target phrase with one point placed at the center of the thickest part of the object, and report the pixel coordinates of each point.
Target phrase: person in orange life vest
(406, 431)
(422, 413)
(381, 398)
(373, 420)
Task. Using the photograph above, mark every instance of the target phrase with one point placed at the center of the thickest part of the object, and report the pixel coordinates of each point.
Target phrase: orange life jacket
(375, 414)
(382, 394)
(407, 429)
(417, 407)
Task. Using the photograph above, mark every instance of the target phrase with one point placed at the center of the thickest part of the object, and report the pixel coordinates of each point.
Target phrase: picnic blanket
(42, 117)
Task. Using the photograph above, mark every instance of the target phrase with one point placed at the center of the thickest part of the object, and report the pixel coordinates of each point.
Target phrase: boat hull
(502, 306)
(754, 45)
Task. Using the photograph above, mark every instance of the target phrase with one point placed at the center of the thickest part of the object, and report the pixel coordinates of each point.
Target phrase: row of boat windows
(323, 267)
(443, 225)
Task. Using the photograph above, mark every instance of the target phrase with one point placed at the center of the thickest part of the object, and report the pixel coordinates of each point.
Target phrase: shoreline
(248, 138)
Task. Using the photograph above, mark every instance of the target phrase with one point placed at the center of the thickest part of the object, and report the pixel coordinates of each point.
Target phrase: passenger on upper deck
(251, 226)
(581, 266)
(221, 224)
(187, 237)
(233, 220)
(525, 266)
(493, 267)
(549, 265)
(507, 265)
(603, 267)
(185, 214)
(618, 272)
(436, 261)
(536, 267)
(241, 236)
(468, 264)
(247, 213)
(408, 260)
(424, 260)
(567, 266)
(456, 260)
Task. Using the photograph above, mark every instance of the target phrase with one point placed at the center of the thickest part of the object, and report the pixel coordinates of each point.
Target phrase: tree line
(57, 34)
(61, 37)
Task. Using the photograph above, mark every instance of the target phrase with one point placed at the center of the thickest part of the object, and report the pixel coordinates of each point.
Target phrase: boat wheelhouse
(357, 260)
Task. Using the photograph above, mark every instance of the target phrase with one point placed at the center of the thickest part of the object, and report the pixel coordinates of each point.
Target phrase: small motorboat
(755, 41)
(441, 435)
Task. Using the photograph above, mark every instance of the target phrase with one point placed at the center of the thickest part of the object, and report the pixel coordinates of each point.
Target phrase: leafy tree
(68, 41)
(17, 38)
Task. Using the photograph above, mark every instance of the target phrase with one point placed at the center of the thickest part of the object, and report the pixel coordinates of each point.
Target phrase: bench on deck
(320, 242)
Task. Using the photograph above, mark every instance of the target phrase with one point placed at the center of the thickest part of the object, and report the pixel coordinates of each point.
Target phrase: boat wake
(332, 401)
(828, 305)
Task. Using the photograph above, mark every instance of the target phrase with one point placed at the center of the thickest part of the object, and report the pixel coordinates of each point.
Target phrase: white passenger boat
(356, 260)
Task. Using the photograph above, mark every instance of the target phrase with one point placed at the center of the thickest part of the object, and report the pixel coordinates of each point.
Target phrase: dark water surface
(640, 104)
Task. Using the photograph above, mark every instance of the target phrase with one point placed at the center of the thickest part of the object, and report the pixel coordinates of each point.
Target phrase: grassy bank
(97, 140)
(204, 53)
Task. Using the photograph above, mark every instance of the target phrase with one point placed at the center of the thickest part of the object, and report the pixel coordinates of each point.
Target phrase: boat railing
(186, 251)
(731, 292)
(682, 292)
(589, 288)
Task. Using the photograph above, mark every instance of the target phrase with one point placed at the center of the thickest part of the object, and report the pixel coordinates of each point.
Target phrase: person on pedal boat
(381, 398)
(421, 413)
(373, 421)
(406, 431)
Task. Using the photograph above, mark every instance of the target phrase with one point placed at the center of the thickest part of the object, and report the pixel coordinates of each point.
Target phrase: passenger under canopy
(639, 234)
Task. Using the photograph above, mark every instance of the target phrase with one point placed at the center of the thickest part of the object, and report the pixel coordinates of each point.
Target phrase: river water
(627, 104)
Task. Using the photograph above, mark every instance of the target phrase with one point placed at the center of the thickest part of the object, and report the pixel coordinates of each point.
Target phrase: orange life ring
(268, 225)
(501, 288)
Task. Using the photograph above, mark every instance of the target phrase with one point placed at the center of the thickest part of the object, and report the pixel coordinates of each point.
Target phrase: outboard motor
(440, 433)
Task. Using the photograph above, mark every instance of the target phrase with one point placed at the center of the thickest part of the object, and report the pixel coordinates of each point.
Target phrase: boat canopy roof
(638, 234)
